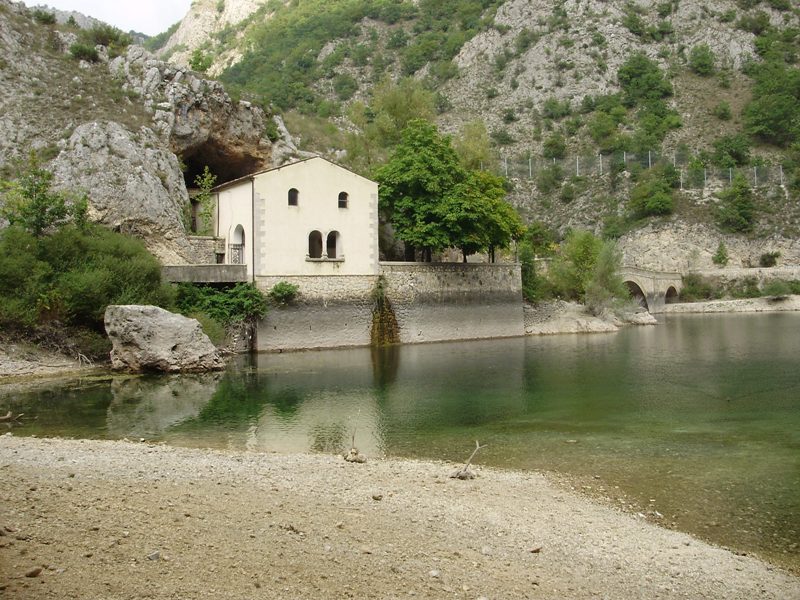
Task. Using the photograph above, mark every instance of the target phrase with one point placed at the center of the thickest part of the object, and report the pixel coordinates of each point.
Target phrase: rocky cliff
(131, 130)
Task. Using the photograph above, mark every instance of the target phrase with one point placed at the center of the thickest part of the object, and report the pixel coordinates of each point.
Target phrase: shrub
(701, 60)
(777, 288)
(242, 302)
(747, 287)
(200, 61)
(554, 146)
(345, 86)
(769, 259)
(572, 270)
(641, 80)
(549, 178)
(84, 52)
(736, 211)
(731, 151)
(43, 17)
(605, 289)
(720, 257)
(696, 287)
(555, 109)
(653, 195)
(283, 293)
(722, 111)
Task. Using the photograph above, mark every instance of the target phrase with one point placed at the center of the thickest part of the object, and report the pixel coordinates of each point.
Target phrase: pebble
(154, 556)
(434, 573)
(34, 572)
(377, 497)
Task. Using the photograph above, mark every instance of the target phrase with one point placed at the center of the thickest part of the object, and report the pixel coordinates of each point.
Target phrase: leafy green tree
(736, 210)
(422, 171)
(572, 269)
(477, 216)
(701, 60)
(652, 196)
(30, 202)
(605, 289)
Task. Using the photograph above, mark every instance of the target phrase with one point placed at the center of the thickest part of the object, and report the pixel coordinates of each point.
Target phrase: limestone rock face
(134, 184)
(197, 117)
(149, 338)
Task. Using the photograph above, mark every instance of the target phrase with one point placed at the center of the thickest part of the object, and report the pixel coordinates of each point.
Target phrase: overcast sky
(145, 16)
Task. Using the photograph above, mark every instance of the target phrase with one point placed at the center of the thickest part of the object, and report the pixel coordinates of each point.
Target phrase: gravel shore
(100, 519)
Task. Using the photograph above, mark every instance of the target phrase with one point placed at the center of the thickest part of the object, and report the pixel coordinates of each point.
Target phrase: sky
(145, 16)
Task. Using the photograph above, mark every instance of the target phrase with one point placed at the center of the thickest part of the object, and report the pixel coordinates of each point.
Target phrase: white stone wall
(432, 302)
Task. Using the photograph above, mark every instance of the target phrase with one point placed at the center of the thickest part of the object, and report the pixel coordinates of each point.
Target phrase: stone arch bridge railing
(652, 289)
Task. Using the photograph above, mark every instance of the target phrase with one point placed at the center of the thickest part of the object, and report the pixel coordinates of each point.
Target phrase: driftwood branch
(465, 472)
(353, 455)
(10, 417)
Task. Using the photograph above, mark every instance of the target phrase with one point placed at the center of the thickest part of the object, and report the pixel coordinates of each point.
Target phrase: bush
(283, 293)
(769, 259)
(572, 270)
(696, 288)
(345, 86)
(720, 257)
(554, 146)
(549, 178)
(722, 111)
(777, 288)
(747, 287)
(242, 302)
(653, 195)
(736, 211)
(641, 80)
(200, 61)
(701, 60)
(731, 151)
(43, 17)
(605, 289)
(84, 52)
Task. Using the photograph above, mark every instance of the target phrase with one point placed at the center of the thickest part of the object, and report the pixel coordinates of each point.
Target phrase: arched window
(343, 199)
(334, 245)
(315, 244)
(294, 196)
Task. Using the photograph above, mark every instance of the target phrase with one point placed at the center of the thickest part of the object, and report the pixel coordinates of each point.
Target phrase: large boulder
(134, 184)
(149, 338)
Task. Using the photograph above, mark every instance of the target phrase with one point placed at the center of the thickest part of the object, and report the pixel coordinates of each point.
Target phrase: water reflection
(149, 406)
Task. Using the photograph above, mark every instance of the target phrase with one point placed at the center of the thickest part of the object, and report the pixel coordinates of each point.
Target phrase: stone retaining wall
(432, 302)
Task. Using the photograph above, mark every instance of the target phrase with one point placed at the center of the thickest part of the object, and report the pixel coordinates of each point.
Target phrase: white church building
(310, 217)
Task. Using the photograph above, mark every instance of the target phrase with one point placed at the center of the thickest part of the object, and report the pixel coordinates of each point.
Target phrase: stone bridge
(652, 289)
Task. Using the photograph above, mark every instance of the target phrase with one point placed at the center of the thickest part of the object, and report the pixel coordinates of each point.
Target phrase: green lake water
(694, 423)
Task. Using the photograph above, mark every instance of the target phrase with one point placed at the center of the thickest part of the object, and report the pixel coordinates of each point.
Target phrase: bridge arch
(637, 293)
(671, 297)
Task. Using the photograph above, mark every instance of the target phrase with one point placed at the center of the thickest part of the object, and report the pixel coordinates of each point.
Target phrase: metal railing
(236, 252)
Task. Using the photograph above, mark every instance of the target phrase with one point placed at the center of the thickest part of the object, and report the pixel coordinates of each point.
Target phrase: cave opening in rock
(223, 161)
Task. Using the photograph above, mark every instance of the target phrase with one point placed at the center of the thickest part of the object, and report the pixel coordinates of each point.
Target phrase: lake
(694, 424)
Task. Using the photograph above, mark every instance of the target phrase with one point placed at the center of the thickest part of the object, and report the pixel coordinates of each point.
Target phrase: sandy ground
(744, 305)
(121, 520)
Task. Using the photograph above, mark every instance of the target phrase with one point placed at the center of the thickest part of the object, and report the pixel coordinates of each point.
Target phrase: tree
(605, 288)
(477, 216)
(641, 80)
(29, 202)
(200, 61)
(423, 170)
(574, 265)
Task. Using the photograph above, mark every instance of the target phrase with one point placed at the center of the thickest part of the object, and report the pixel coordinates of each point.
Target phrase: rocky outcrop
(682, 248)
(134, 184)
(204, 19)
(196, 116)
(149, 338)
(558, 316)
